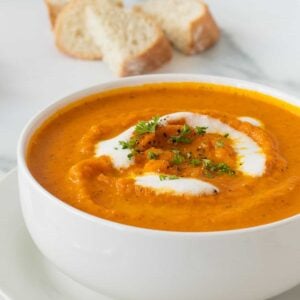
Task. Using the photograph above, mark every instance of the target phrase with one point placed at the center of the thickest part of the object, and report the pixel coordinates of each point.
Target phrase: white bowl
(133, 263)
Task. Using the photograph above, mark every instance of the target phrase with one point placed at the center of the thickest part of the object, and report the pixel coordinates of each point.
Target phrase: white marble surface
(260, 42)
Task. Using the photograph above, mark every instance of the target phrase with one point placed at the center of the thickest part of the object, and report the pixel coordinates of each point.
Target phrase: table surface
(260, 42)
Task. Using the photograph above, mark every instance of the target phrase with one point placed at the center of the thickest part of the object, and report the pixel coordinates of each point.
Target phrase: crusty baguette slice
(188, 24)
(131, 42)
(54, 8)
(71, 35)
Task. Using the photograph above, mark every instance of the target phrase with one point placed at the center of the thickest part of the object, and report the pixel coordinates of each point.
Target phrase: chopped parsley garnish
(182, 136)
(152, 155)
(131, 154)
(177, 158)
(211, 167)
(185, 129)
(181, 139)
(167, 177)
(206, 163)
(200, 130)
(224, 168)
(143, 127)
(219, 143)
(130, 145)
(195, 162)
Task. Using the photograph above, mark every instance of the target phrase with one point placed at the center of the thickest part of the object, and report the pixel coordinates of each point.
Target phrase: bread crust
(58, 28)
(53, 11)
(201, 34)
(159, 53)
(204, 33)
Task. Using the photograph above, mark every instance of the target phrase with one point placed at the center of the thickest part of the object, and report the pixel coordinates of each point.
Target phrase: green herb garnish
(182, 136)
(185, 129)
(226, 135)
(143, 127)
(219, 168)
(195, 162)
(178, 158)
(224, 168)
(130, 145)
(152, 155)
(167, 177)
(206, 162)
(200, 130)
(131, 154)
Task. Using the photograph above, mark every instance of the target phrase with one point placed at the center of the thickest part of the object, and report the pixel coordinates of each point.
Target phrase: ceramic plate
(25, 274)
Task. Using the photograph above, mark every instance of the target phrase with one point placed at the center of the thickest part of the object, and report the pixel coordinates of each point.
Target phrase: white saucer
(25, 274)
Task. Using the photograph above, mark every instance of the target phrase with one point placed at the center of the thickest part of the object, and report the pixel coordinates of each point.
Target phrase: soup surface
(173, 156)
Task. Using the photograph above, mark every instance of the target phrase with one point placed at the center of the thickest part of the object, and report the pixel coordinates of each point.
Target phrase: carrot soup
(173, 156)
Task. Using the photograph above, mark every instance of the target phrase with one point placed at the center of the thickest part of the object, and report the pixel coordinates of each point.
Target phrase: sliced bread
(54, 8)
(131, 42)
(188, 24)
(71, 35)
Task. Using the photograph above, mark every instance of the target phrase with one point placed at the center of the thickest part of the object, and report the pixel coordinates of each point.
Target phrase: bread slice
(71, 35)
(188, 24)
(131, 42)
(54, 8)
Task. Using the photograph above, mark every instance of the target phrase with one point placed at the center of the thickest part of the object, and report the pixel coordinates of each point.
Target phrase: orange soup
(173, 156)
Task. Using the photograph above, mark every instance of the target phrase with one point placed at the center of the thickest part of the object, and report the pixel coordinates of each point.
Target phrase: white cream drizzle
(113, 149)
(251, 158)
(180, 186)
(252, 121)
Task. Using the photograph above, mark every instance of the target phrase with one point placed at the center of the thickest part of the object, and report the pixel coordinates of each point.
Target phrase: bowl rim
(34, 123)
